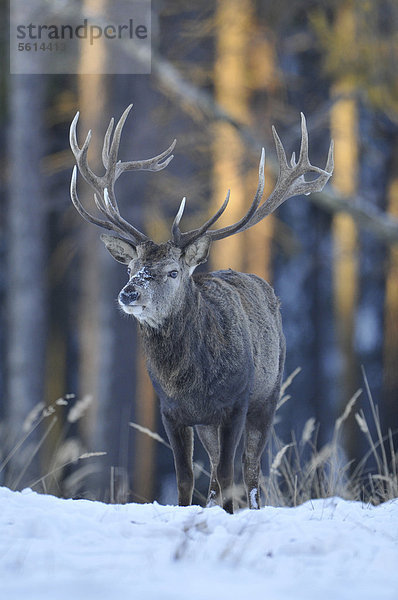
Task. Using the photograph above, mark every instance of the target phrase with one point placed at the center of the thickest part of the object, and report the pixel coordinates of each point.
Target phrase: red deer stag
(214, 344)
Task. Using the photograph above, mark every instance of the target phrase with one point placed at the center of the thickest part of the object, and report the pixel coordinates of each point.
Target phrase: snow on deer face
(158, 276)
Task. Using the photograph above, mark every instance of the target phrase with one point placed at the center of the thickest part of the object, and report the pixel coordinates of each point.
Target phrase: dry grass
(299, 469)
(68, 450)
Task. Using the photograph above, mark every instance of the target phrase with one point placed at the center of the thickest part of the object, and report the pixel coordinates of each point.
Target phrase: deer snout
(128, 296)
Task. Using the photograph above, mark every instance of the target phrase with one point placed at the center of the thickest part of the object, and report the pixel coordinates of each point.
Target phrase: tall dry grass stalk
(68, 450)
(299, 469)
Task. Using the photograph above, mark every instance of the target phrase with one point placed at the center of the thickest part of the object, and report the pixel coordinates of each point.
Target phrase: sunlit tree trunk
(95, 334)
(232, 21)
(345, 262)
(344, 125)
(263, 79)
(344, 133)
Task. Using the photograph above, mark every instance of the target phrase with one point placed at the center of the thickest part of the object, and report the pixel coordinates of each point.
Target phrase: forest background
(72, 377)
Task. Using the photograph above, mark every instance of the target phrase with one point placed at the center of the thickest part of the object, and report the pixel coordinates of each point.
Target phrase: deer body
(218, 363)
(214, 343)
(211, 356)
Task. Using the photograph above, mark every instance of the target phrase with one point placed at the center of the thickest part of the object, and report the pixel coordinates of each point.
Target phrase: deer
(214, 344)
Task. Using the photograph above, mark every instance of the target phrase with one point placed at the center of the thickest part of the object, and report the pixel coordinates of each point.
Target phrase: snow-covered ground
(76, 549)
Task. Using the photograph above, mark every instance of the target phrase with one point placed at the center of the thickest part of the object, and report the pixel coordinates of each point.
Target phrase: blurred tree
(232, 33)
(377, 146)
(389, 411)
(359, 39)
(302, 275)
(26, 270)
(345, 261)
(360, 50)
(96, 340)
(264, 84)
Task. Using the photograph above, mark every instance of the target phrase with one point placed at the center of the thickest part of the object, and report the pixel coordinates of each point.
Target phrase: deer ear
(197, 252)
(121, 251)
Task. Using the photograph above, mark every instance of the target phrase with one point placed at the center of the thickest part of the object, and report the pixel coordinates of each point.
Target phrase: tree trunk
(230, 89)
(377, 152)
(345, 262)
(26, 294)
(389, 413)
(95, 333)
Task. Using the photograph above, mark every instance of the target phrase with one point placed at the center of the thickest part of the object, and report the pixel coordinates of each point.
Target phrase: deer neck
(167, 346)
(174, 327)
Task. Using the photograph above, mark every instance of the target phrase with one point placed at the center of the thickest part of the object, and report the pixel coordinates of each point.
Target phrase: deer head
(160, 274)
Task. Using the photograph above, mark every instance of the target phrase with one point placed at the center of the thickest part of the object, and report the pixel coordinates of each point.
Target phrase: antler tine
(93, 180)
(175, 229)
(150, 164)
(303, 156)
(110, 155)
(241, 225)
(103, 204)
(80, 153)
(106, 146)
(82, 211)
(329, 167)
(114, 149)
(280, 151)
(103, 186)
(73, 135)
(290, 182)
(114, 214)
(183, 239)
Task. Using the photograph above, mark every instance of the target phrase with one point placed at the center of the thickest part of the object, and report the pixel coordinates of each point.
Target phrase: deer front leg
(181, 441)
(209, 436)
(230, 435)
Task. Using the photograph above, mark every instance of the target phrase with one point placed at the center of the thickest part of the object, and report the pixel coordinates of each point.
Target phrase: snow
(325, 549)
(253, 500)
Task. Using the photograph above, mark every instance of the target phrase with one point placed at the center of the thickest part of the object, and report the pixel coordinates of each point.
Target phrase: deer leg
(209, 436)
(256, 433)
(181, 440)
(230, 435)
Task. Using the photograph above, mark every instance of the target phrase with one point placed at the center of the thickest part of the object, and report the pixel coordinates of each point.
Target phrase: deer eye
(173, 274)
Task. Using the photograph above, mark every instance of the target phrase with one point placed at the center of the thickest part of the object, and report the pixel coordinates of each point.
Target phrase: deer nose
(128, 297)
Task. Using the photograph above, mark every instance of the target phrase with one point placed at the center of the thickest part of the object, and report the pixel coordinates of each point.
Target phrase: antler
(103, 186)
(291, 182)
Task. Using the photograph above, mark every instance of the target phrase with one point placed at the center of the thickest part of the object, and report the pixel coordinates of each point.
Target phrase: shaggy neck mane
(186, 355)
(178, 332)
